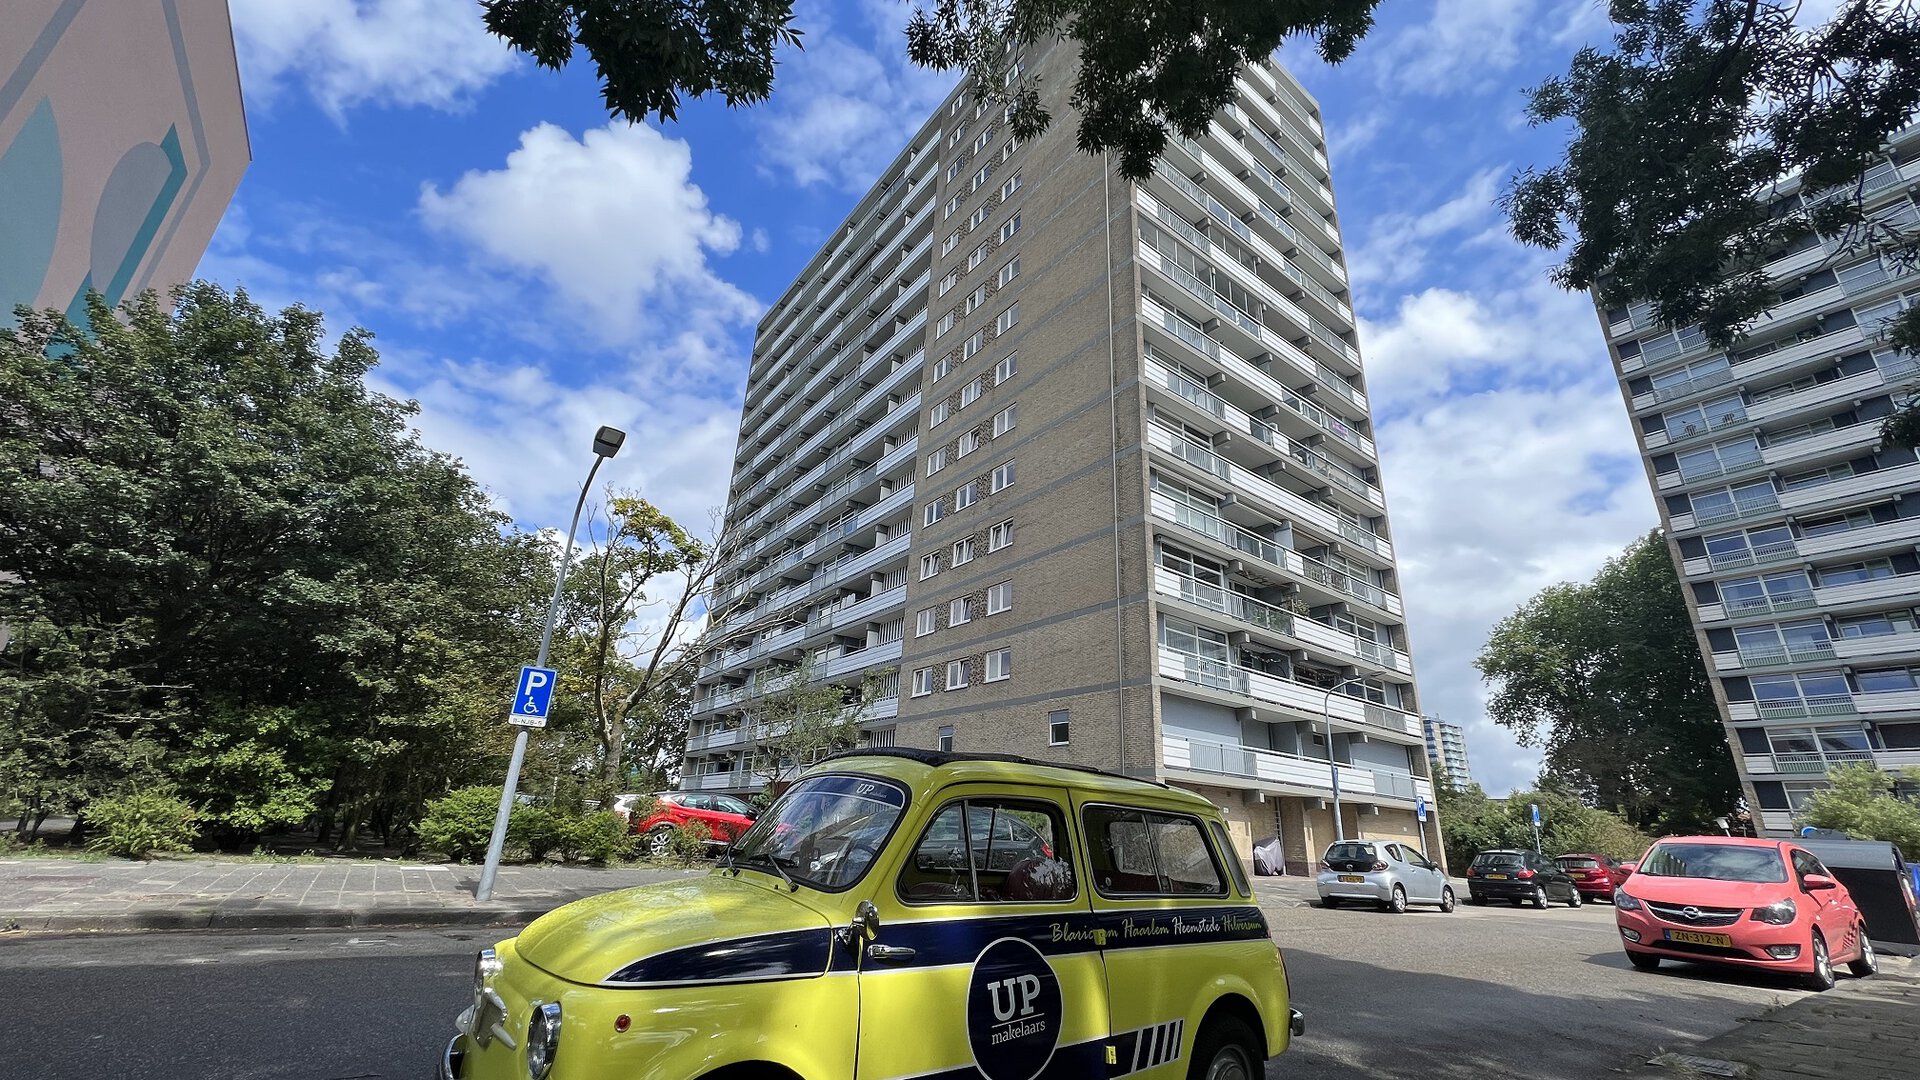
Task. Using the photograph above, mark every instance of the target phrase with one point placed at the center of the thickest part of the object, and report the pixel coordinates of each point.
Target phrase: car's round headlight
(1779, 913)
(543, 1039)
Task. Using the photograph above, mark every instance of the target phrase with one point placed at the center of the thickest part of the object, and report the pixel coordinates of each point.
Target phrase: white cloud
(1464, 47)
(845, 106)
(1397, 244)
(435, 53)
(611, 221)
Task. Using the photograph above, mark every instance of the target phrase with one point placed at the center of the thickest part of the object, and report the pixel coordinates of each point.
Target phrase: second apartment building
(1081, 469)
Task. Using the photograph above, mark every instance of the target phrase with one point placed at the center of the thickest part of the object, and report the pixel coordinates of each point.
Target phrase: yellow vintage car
(907, 913)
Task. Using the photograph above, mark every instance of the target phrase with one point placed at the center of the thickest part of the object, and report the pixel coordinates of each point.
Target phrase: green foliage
(801, 720)
(1475, 823)
(460, 825)
(1144, 68)
(688, 842)
(1700, 104)
(1861, 801)
(537, 830)
(1607, 677)
(141, 823)
(231, 567)
(599, 838)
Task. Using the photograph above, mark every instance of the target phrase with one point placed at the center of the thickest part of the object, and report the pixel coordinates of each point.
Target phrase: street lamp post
(1333, 766)
(606, 443)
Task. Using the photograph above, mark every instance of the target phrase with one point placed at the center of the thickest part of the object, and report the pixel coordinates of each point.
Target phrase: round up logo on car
(1013, 1011)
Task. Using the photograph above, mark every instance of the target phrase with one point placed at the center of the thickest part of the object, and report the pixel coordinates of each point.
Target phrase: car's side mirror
(1817, 882)
(1630, 867)
(865, 925)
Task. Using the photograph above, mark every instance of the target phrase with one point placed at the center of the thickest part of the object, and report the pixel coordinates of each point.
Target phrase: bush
(461, 824)
(688, 843)
(537, 830)
(142, 823)
(599, 838)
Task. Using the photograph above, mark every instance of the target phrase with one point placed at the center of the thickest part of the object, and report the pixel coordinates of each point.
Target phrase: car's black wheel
(1476, 899)
(1447, 902)
(1518, 902)
(660, 841)
(1574, 899)
(1868, 962)
(1397, 902)
(1329, 902)
(1821, 977)
(1226, 1050)
(1540, 896)
(1643, 961)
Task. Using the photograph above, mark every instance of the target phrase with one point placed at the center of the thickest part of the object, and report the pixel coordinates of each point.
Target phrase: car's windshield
(1722, 862)
(825, 831)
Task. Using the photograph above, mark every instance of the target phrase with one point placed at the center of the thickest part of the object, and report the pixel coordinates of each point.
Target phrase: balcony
(1775, 656)
(1272, 394)
(1904, 533)
(1759, 555)
(1866, 382)
(1802, 763)
(1853, 490)
(1285, 504)
(1325, 639)
(1290, 770)
(1887, 701)
(1837, 443)
(1305, 701)
(1285, 562)
(1878, 647)
(1745, 508)
(1897, 588)
(1804, 708)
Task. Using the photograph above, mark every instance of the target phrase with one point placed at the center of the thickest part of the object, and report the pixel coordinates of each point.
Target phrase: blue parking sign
(1420, 808)
(532, 696)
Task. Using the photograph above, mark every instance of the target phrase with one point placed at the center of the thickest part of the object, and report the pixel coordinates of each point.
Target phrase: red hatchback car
(724, 816)
(1596, 876)
(1742, 902)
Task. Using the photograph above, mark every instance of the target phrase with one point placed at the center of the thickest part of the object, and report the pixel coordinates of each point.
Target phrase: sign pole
(606, 443)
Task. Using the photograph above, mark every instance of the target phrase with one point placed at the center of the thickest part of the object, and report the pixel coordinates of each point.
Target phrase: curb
(214, 919)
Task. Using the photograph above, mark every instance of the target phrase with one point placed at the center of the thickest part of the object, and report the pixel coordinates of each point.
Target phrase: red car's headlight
(1779, 913)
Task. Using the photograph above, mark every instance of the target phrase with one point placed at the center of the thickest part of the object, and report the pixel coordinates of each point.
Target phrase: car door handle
(889, 952)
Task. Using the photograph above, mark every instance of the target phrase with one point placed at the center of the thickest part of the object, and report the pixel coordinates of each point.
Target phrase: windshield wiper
(774, 862)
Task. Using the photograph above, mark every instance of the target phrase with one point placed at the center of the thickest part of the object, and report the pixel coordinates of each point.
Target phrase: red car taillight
(1325, 865)
(1472, 872)
(1524, 874)
(1377, 867)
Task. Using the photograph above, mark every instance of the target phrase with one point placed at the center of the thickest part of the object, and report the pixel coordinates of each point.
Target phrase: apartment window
(952, 207)
(1012, 185)
(942, 367)
(973, 345)
(969, 442)
(1008, 272)
(966, 495)
(1004, 420)
(1008, 319)
(978, 217)
(947, 283)
(999, 597)
(977, 256)
(946, 322)
(952, 241)
(936, 460)
(929, 565)
(999, 665)
(1002, 478)
(939, 413)
(954, 109)
(975, 300)
(963, 552)
(1000, 535)
(1008, 228)
(1006, 369)
(980, 178)
(922, 682)
(953, 170)
(1006, 151)
(1057, 721)
(926, 622)
(959, 612)
(935, 511)
(946, 733)
(981, 142)
(957, 674)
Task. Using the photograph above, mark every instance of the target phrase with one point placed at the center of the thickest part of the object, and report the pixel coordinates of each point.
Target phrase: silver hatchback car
(1386, 873)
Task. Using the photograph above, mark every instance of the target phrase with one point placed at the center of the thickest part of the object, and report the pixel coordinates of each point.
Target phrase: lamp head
(606, 441)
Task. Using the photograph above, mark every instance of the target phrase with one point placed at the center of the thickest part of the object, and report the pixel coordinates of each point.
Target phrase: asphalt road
(1479, 993)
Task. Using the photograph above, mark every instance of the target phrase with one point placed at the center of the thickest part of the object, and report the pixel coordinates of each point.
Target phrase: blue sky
(532, 271)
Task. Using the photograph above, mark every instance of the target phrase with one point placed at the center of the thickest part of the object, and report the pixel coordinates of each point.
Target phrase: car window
(731, 805)
(697, 802)
(1233, 859)
(1149, 853)
(825, 831)
(1804, 863)
(1351, 853)
(673, 798)
(1011, 851)
(1720, 862)
(1414, 856)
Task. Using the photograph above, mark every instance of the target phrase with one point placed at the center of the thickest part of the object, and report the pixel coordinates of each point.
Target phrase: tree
(1477, 823)
(1683, 130)
(799, 720)
(1607, 677)
(1145, 67)
(231, 567)
(1861, 799)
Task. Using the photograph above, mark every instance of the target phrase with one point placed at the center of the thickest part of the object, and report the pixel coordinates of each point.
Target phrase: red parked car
(1744, 902)
(1596, 876)
(724, 816)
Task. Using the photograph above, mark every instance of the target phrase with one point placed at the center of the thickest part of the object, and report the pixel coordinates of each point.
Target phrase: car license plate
(1496, 877)
(1356, 878)
(1694, 937)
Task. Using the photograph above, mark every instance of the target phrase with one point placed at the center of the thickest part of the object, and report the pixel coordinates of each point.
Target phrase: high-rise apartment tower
(1084, 468)
(1794, 528)
(1447, 753)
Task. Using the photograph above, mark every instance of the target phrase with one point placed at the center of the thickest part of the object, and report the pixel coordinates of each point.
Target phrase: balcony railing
(1272, 766)
(1808, 761)
(1309, 700)
(1754, 556)
(1798, 653)
(1809, 705)
(1748, 506)
(1286, 559)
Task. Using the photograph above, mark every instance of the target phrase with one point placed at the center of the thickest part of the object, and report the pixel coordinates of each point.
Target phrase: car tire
(1329, 902)
(1643, 961)
(1447, 901)
(1540, 897)
(1868, 962)
(1226, 1049)
(1574, 899)
(1476, 899)
(1821, 978)
(1396, 902)
(660, 841)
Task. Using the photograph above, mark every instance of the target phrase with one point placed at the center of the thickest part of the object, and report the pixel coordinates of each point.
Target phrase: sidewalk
(1865, 1029)
(57, 894)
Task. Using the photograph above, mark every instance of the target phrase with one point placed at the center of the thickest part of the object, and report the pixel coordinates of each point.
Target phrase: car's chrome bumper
(1296, 1024)
(451, 1060)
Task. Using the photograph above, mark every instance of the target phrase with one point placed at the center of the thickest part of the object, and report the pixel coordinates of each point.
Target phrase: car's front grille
(1688, 915)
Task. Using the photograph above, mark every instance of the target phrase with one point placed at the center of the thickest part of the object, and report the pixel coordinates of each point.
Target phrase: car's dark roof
(1503, 851)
